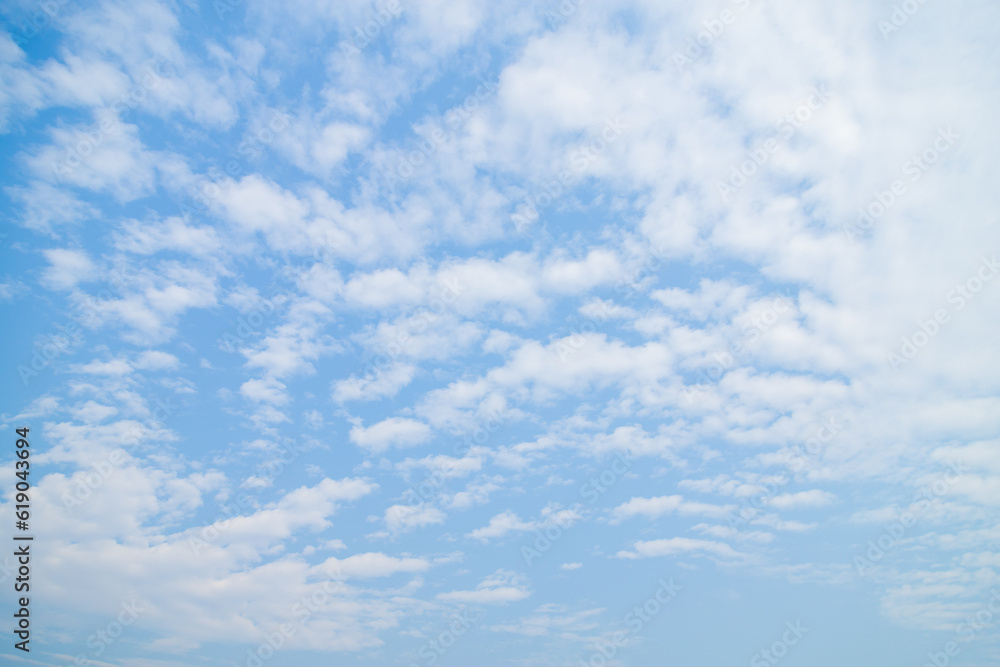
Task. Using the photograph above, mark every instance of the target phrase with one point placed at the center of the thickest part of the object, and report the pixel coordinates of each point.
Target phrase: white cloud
(92, 412)
(508, 522)
(812, 498)
(46, 208)
(384, 383)
(40, 407)
(104, 156)
(291, 347)
(391, 432)
(476, 493)
(114, 367)
(68, 268)
(303, 508)
(266, 390)
(368, 565)
(440, 466)
(155, 360)
(147, 238)
(318, 148)
(150, 303)
(501, 587)
(254, 204)
(655, 507)
(713, 300)
(321, 282)
(679, 545)
(600, 266)
(382, 288)
(407, 517)
(500, 525)
(557, 621)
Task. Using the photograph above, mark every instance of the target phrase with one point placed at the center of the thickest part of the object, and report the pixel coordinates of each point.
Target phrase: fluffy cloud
(502, 587)
(391, 432)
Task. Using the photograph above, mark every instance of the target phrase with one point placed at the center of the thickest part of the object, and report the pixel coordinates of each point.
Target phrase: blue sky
(425, 333)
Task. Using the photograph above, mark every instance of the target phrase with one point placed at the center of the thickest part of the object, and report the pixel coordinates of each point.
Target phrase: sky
(627, 333)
